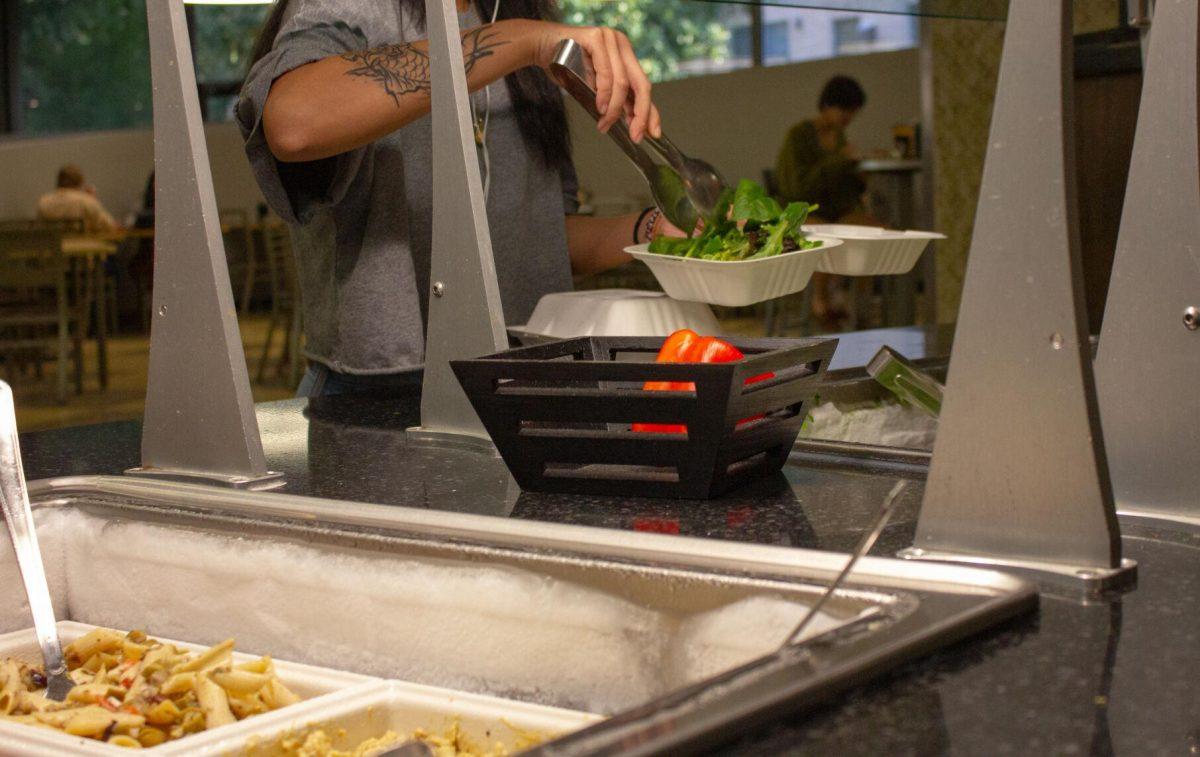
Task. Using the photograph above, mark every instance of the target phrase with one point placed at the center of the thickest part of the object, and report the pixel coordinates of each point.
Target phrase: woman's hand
(664, 228)
(622, 87)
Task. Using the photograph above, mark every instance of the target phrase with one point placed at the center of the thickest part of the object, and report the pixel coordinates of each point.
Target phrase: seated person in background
(73, 200)
(817, 165)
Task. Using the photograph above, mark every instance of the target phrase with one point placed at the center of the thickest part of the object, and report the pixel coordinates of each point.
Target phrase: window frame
(9, 112)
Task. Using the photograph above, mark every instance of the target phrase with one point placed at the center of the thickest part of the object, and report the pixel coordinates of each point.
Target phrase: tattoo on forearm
(403, 69)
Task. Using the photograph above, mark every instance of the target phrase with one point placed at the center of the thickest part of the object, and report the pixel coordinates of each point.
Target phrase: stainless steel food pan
(571, 616)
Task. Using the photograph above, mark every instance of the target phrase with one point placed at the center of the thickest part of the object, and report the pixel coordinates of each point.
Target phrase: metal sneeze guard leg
(1019, 477)
(1149, 353)
(199, 419)
(466, 319)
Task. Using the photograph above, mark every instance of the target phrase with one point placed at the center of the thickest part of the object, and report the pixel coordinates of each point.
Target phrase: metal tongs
(907, 381)
(654, 726)
(864, 546)
(14, 501)
(685, 189)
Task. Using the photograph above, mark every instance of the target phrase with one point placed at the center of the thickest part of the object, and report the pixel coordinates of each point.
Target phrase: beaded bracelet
(651, 222)
(638, 223)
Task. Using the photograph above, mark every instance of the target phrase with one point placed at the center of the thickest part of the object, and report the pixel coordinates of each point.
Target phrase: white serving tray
(360, 704)
(734, 283)
(617, 312)
(353, 716)
(871, 251)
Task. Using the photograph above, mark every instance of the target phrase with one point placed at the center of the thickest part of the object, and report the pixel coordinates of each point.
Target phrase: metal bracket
(247, 483)
(1149, 354)
(465, 315)
(1052, 576)
(199, 419)
(1018, 473)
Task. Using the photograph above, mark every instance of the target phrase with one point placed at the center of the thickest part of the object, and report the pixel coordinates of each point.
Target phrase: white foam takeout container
(362, 706)
(617, 312)
(871, 251)
(734, 283)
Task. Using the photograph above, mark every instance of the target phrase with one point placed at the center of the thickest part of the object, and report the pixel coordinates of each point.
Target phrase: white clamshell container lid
(618, 312)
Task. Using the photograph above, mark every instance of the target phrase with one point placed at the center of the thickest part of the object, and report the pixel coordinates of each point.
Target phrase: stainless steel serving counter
(1115, 675)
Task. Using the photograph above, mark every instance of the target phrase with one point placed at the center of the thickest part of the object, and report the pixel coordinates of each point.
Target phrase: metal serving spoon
(14, 501)
(670, 192)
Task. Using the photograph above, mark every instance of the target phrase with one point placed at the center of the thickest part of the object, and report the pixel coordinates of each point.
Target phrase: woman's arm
(597, 244)
(346, 101)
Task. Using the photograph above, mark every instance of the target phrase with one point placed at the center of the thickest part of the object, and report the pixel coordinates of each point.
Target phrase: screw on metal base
(1191, 318)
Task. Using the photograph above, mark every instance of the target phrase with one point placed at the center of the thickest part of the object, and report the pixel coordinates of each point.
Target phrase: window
(224, 37)
(791, 35)
(851, 35)
(673, 38)
(775, 41)
(82, 65)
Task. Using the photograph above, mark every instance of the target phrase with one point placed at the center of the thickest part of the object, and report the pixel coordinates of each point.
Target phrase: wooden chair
(37, 322)
(65, 225)
(285, 304)
(61, 225)
(250, 269)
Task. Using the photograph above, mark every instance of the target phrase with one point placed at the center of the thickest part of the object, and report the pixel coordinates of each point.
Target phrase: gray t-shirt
(361, 221)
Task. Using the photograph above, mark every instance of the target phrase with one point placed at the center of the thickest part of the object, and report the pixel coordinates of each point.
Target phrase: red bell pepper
(686, 346)
(674, 350)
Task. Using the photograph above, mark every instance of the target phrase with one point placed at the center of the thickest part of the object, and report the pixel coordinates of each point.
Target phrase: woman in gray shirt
(335, 115)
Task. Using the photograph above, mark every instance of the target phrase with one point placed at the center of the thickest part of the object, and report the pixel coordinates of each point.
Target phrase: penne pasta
(261, 665)
(239, 682)
(211, 658)
(276, 695)
(92, 643)
(178, 684)
(214, 701)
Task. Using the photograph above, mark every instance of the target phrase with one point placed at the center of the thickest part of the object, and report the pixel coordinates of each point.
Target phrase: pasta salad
(134, 691)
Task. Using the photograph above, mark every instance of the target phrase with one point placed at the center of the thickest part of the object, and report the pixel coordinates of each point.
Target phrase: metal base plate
(269, 480)
(1146, 516)
(453, 440)
(1073, 579)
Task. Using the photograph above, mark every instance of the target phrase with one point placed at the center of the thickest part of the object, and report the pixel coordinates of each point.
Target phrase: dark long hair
(537, 101)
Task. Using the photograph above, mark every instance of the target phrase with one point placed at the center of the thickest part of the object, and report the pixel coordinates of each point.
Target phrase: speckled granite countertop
(1119, 675)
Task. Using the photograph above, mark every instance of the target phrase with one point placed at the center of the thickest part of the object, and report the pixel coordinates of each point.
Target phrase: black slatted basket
(561, 414)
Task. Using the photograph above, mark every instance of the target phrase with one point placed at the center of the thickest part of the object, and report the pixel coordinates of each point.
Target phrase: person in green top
(817, 165)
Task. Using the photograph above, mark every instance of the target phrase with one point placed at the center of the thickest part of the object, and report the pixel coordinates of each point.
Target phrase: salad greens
(746, 224)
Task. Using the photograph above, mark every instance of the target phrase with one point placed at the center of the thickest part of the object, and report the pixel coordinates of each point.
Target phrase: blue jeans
(322, 381)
